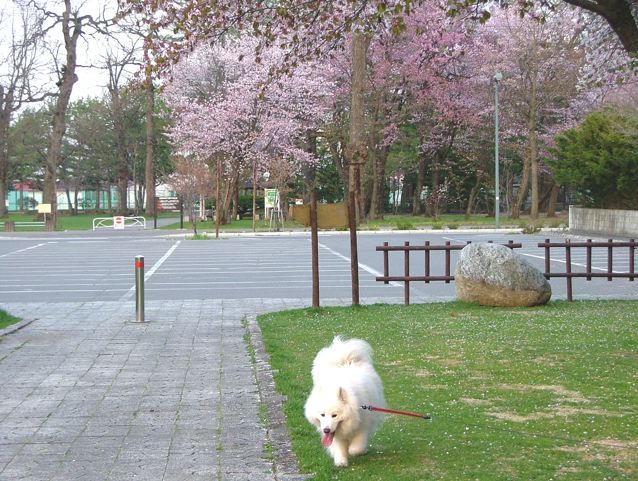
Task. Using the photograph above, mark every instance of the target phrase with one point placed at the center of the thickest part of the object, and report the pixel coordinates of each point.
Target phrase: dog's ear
(343, 395)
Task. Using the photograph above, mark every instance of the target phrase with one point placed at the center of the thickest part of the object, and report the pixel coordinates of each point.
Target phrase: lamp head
(498, 76)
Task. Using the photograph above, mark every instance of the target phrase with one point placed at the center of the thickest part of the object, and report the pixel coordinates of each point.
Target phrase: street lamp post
(497, 78)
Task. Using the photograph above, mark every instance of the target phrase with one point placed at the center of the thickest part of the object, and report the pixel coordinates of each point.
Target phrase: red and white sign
(118, 222)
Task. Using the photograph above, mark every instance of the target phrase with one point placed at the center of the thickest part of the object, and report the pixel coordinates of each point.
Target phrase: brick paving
(86, 393)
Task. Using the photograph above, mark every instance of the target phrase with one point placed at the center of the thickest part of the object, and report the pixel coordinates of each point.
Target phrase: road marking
(554, 259)
(366, 268)
(151, 271)
(23, 250)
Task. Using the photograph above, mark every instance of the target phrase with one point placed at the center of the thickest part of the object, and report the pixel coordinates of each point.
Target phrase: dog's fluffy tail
(342, 353)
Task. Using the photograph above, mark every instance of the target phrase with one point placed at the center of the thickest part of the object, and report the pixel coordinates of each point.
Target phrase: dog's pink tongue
(326, 439)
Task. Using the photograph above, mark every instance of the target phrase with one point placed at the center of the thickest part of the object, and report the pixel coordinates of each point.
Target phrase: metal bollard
(139, 288)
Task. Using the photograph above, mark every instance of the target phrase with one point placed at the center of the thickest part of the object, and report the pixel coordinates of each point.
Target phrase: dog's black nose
(326, 430)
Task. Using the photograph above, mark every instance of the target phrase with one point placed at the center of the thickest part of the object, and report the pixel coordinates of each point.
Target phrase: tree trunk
(417, 203)
(5, 120)
(619, 16)
(431, 207)
(149, 171)
(471, 201)
(356, 150)
(522, 191)
(75, 201)
(553, 200)
(533, 151)
(122, 152)
(71, 29)
(109, 200)
(235, 197)
(377, 200)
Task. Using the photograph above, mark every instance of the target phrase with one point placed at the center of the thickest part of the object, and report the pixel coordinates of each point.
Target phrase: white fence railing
(118, 222)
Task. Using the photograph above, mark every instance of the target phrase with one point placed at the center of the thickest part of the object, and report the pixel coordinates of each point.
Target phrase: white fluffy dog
(344, 381)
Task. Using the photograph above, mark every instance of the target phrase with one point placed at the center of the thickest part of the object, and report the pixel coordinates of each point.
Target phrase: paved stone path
(88, 394)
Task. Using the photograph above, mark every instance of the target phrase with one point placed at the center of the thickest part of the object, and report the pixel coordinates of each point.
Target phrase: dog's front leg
(359, 444)
(339, 451)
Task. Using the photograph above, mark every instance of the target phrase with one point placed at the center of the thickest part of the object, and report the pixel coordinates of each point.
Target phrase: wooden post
(588, 258)
(406, 273)
(354, 256)
(632, 247)
(315, 248)
(568, 268)
(386, 263)
(610, 257)
(254, 193)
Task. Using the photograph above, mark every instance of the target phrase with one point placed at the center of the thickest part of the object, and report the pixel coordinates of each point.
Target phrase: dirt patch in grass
(475, 402)
(613, 452)
(566, 394)
(560, 411)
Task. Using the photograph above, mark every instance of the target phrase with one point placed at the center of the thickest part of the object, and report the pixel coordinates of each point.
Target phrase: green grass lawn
(541, 394)
(69, 222)
(243, 225)
(399, 222)
(452, 221)
(7, 319)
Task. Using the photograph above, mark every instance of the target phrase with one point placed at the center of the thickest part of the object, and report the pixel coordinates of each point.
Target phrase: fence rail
(589, 246)
(118, 222)
(427, 248)
(610, 246)
(11, 226)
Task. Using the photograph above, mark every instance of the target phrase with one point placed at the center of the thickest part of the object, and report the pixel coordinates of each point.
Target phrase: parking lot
(89, 268)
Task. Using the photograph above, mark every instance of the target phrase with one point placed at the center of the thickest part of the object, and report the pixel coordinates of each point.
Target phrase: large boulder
(494, 275)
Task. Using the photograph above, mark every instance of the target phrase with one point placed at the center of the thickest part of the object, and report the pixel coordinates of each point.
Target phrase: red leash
(393, 411)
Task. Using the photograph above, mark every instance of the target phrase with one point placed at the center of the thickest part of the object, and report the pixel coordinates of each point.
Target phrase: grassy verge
(454, 221)
(243, 225)
(7, 319)
(397, 222)
(69, 222)
(528, 394)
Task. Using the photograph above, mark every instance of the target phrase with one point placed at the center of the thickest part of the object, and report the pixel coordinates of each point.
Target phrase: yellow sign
(44, 208)
(329, 216)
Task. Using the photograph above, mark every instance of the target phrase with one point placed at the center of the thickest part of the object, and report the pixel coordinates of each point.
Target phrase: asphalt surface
(99, 267)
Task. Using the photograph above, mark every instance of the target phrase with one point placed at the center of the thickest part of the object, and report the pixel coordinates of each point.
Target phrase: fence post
(568, 268)
(406, 273)
(139, 288)
(588, 254)
(632, 247)
(427, 261)
(447, 261)
(386, 263)
(610, 257)
(315, 247)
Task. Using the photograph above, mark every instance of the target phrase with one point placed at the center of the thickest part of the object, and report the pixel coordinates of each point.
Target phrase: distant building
(24, 197)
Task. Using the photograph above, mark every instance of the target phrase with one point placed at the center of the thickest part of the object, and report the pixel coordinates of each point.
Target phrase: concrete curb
(285, 463)
(16, 327)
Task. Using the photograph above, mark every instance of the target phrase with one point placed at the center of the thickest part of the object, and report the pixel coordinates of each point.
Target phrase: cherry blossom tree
(540, 64)
(191, 180)
(226, 107)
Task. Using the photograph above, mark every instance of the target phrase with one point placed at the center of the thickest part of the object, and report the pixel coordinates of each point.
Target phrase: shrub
(404, 225)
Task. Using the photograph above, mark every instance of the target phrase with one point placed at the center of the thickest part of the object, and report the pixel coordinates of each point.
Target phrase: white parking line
(362, 266)
(131, 291)
(23, 250)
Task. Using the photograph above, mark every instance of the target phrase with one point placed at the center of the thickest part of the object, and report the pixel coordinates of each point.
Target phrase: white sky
(91, 49)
